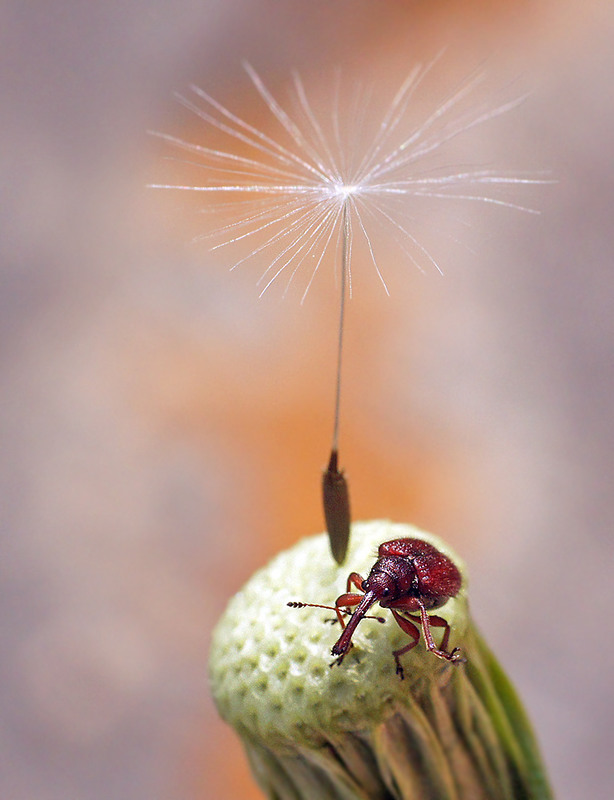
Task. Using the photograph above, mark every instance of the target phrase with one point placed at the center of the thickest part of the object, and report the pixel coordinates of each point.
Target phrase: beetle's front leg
(354, 579)
(346, 601)
(411, 630)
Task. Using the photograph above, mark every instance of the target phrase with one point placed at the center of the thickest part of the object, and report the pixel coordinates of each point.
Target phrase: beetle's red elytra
(410, 575)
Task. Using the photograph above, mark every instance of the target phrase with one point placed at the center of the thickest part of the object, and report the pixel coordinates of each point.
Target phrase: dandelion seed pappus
(286, 188)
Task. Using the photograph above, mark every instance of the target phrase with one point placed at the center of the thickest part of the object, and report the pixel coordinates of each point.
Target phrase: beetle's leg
(356, 580)
(347, 610)
(438, 622)
(411, 630)
(346, 601)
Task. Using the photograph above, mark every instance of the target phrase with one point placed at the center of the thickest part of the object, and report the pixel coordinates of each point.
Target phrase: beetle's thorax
(391, 578)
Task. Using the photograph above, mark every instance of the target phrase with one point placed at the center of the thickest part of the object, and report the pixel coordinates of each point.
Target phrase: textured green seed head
(270, 664)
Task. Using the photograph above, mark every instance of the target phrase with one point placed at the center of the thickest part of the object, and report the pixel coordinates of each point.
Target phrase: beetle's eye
(386, 592)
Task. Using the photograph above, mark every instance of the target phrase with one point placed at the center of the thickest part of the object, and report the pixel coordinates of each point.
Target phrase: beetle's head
(382, 584)
(390, 578)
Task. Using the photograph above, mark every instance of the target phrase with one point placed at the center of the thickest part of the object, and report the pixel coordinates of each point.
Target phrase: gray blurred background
(162, 430)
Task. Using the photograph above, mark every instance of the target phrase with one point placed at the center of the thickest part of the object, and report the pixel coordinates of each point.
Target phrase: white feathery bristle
(285, 192)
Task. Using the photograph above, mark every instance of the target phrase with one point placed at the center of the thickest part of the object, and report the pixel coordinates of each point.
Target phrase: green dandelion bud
(314, 729)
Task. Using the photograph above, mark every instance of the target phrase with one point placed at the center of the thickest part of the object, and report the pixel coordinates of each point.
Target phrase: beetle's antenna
(335, 494)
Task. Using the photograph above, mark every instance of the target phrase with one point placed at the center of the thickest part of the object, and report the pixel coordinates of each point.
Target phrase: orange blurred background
(164, 430)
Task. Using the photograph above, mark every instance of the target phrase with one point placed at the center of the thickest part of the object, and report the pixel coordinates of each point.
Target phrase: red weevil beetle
(409, 575)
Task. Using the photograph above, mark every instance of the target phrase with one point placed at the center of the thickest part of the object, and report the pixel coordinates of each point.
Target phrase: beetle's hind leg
(439, 622)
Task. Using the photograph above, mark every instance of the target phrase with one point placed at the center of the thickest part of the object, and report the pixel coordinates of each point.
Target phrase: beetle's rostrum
(410, 575)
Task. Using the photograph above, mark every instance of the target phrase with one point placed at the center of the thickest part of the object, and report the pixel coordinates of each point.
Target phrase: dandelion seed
(304, 195)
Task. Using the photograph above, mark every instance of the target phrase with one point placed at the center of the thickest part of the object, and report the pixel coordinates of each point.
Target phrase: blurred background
(163, 430)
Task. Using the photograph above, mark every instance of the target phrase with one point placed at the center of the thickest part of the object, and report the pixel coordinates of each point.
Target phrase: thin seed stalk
(345, 267)
(335, 491)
